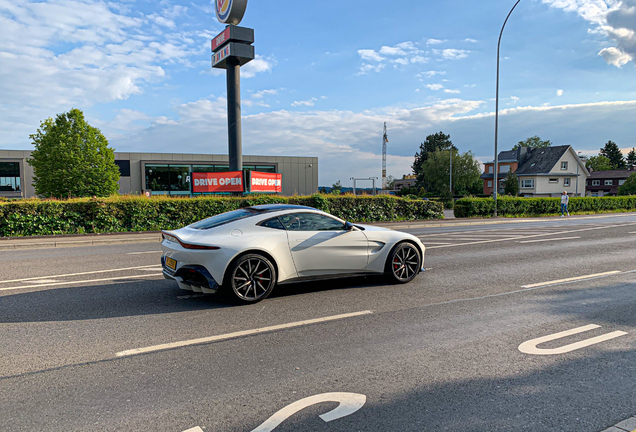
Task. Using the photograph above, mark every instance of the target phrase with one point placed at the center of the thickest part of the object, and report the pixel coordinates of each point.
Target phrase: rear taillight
(175, 239)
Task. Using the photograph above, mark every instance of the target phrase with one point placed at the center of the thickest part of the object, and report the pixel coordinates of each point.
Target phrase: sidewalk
(41, 242)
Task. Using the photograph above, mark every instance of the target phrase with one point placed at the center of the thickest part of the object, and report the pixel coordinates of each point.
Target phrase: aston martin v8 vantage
(247, 252)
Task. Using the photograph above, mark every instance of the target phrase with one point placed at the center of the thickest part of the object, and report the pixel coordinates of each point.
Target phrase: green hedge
(508, 206)
(136, 213)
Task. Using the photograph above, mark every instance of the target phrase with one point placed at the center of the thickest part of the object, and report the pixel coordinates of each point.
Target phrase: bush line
(133, 213)
(514, 207)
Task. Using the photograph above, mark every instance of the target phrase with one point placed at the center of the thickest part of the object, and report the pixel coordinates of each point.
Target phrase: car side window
(274, 223)
(310, 222)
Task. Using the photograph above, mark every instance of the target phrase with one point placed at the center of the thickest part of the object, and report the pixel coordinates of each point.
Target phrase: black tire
(250, 279)
(404, 263)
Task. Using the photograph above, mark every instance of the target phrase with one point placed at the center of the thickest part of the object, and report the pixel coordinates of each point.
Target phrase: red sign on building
(266, 182)
(218, 182)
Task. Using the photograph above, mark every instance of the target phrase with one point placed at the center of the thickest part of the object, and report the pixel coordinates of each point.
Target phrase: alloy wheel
(405, 262)
(252, 278)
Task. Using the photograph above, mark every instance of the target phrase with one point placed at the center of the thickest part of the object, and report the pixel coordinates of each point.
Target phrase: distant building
(407, 181)
(542, 172)
(604, 183)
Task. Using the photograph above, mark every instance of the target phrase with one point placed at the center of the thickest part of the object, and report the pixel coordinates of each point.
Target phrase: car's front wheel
(251, 278)
(404, 263)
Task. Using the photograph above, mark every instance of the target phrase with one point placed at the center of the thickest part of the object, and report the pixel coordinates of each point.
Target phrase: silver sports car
(247, 252)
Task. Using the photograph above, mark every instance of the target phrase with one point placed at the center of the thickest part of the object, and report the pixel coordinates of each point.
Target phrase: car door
(320, 245)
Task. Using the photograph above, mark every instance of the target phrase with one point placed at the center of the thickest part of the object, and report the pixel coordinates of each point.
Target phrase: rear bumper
(191, 278)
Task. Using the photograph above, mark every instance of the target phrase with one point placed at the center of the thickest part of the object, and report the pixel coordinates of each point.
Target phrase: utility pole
(385, 140)
(450, 180)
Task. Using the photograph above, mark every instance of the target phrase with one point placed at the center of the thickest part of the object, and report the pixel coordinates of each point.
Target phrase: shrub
(509, 206)
(137, 213)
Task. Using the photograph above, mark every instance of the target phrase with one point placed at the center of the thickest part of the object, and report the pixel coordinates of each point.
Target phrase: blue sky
(325, 79)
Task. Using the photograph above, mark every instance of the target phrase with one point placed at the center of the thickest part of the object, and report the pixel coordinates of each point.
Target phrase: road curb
(79, 243)
(628, 425)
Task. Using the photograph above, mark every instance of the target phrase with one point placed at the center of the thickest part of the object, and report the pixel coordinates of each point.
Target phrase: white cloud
(514, 99)
(366, 68)
(615, 18)
(452, 54)
(434, 87)
(452, 91)
(419, 59)
(370, 55)
(311, 102)
(469, 40)
(435, 41)
(559, 92)
(260, 64)
(429, 74)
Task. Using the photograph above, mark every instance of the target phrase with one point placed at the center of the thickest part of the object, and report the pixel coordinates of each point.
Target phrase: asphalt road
(453, 350)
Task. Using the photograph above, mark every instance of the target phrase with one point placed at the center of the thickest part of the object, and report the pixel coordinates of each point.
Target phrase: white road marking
(157, 266)
(349, 403)
(194, 429)
(44, 281)
(141, 253)
(572, 279)
(547, 240)
(227, 336)
(532, 236)
(530, 347)
(81, 281)
(427, 243)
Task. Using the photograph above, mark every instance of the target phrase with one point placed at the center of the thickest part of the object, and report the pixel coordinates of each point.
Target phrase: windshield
(224, 218)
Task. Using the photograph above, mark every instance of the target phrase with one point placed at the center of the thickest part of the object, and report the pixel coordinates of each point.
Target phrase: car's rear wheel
(404, 263)
(251, 278)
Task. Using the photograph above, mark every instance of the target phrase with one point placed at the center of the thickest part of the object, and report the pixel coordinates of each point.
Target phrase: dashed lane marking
(532, 236)
(156, 266)
(572, 279)
(234, 335)
(81, 281)
(142, 253)
(547, 240)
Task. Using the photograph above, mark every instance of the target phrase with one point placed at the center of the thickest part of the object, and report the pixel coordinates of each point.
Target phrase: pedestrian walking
(565, 200)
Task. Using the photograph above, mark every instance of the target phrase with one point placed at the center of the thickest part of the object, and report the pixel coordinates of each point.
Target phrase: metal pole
(496, 180)
(234, 114)
(577, 173)
(354, 185)
(450, 180)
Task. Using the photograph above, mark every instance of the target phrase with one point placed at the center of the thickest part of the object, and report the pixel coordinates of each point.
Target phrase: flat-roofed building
(167, 173)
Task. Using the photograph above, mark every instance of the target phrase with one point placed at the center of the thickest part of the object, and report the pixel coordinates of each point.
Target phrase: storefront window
(180, 180)
(266, 169)
(10, 177)
(158, 179)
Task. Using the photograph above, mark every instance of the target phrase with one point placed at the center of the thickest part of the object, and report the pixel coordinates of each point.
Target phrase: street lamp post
(578, 159)
(496, 180)
(450, 179)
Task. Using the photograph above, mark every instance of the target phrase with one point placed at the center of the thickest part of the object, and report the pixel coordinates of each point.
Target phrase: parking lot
(515, 326)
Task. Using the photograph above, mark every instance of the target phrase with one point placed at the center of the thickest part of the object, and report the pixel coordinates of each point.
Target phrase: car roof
(270, 208)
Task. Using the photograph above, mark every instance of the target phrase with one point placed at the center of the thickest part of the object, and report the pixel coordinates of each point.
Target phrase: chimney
(522, 154)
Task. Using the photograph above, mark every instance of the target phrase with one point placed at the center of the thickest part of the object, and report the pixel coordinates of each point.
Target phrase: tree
(533, 142)
(390, 182)
(629, 187)
(598, 163)
(511, 185)
(72, 158)
(433, 143)
(466, 172)
(614, 154)
(631, 157)
(336, 188)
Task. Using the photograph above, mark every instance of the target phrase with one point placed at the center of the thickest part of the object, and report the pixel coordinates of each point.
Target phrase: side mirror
(348, 226)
